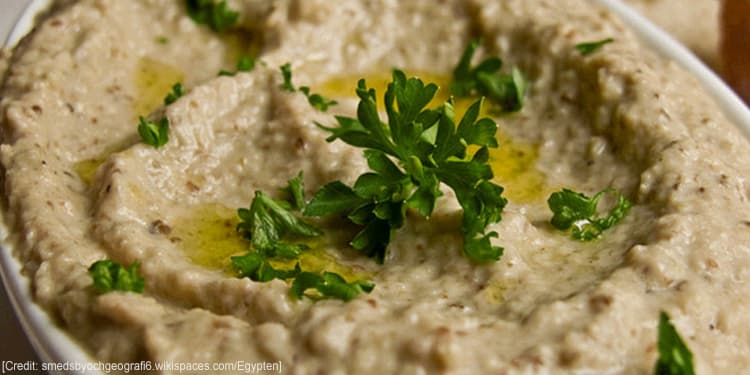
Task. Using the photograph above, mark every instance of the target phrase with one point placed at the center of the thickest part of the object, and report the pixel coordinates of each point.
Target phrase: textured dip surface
(79, 186)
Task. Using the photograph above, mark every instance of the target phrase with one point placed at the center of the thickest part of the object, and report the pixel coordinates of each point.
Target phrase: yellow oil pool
(208, 237)
(153, 81)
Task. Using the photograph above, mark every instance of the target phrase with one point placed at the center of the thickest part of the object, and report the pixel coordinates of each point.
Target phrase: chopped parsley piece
(267, 221)
(296, 191)
(162, 40)
(109, 276)
(286, 72)
(591, 47)
(674, 356)
(330, 285)
(218, 16)
(177, 92)
(429, 149)
(576, 210)
(317, 101)
(244, 64)
(485, 79)
(256, 267)
(154, 133)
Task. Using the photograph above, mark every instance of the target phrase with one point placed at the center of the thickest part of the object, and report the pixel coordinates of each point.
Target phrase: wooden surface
(735, 45)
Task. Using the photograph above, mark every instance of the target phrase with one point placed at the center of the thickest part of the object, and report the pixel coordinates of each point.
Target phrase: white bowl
(52, 344)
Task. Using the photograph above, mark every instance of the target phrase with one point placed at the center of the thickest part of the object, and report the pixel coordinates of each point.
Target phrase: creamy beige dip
(79, 187)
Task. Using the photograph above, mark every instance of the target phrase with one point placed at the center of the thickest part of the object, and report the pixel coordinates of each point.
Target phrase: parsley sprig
(216, 15)
(485, 79)
(268, 224)
(576, 210)
(674, 356)
(267, 221)
(428, 149)
(110, 276)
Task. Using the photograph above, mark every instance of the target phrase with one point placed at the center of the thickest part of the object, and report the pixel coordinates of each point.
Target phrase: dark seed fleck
(599, 302)
(567, 358)
(193, 188)
(159, 227)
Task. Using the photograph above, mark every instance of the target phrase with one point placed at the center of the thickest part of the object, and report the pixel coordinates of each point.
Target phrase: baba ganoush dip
(80, 186)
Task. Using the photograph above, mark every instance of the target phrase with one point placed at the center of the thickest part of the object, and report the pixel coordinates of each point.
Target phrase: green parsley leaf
(256, 267)
(177, 92)
(480, 249)
(286, 73)
(591, 47)
(410, 156)
(334, 198)
(576, 210)
(218, 16)
(329, 285)
(674, 356)
(507, 90)
(162, 40)
(267, 221)
(154, 133)
(109, 276)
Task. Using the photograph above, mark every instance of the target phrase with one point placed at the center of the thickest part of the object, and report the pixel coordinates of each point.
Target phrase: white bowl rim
(53, 344)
